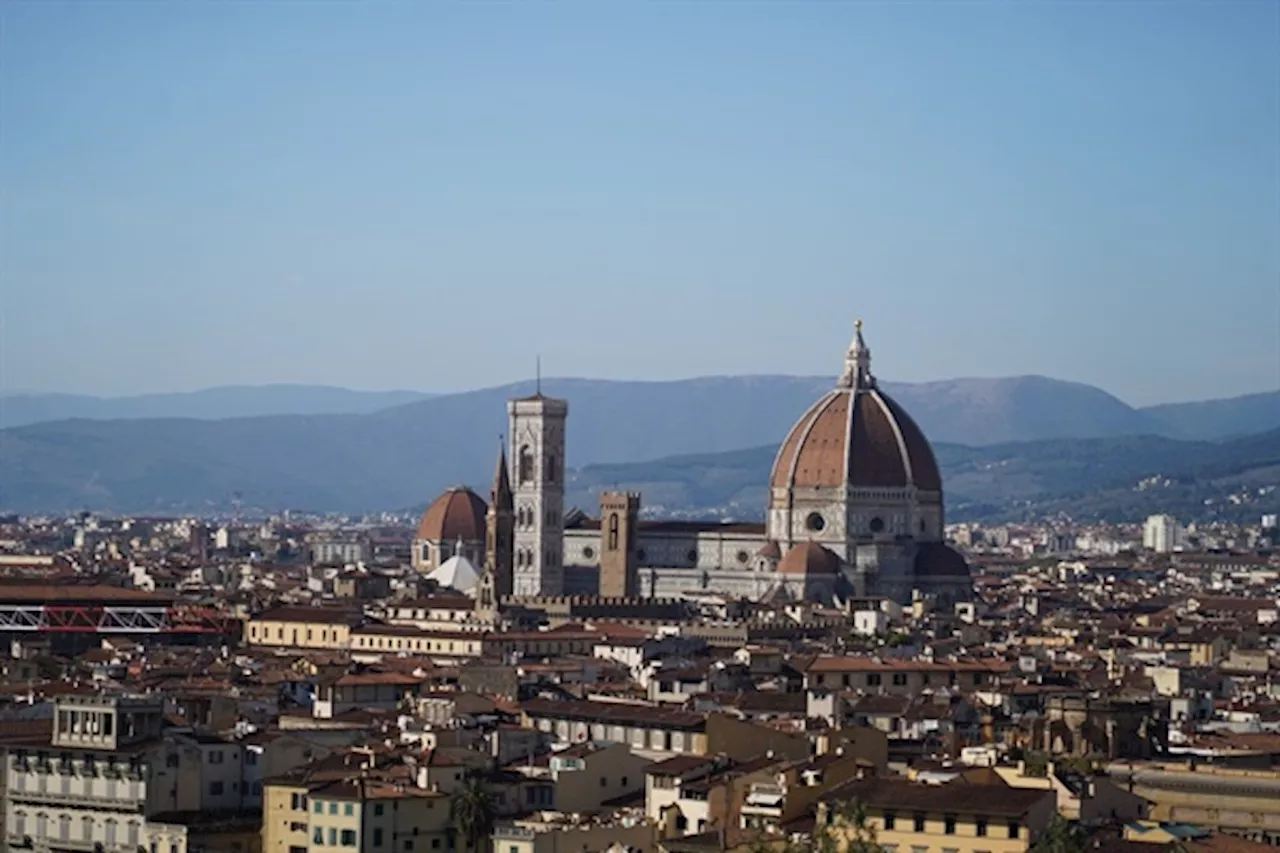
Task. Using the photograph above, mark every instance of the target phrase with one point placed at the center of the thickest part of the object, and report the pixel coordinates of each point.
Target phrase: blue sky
(426, 195)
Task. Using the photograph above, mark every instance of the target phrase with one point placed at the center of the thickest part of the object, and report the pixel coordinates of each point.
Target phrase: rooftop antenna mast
(538, 374)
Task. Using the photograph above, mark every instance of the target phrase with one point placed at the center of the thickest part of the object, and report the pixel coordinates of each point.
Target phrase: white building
(108, 770)
(1161, 534)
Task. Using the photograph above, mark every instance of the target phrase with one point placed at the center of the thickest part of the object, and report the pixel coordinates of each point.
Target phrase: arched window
(525, 468)
(551, 467)
(613, 532)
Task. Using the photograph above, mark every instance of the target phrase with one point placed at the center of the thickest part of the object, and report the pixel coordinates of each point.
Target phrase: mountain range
(1120, 479)
(227, 401)
(384, 450)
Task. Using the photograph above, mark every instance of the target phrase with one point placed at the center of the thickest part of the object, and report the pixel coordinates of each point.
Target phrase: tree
(846, 830)
(1061, 836)
(472, 811)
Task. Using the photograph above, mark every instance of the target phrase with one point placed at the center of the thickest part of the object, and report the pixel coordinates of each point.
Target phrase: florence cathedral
(854, 510)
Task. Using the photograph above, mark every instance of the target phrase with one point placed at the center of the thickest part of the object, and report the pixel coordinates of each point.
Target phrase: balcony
(119, 803)
(764, 800)
(508, 832)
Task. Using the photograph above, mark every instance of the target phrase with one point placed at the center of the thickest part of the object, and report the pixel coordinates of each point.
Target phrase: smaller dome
(809, 558)
(937, 559)
(457, 573)
(457, 514)
(770, 551)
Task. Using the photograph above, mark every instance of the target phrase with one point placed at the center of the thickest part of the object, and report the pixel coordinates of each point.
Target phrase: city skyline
(428, 197)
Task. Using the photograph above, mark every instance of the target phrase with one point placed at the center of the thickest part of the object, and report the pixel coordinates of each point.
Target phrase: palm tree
(471, 810)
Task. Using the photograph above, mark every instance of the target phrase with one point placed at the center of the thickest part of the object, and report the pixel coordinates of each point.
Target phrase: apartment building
(898, 676)
(957, 817)
(110, 779)
(343, 806)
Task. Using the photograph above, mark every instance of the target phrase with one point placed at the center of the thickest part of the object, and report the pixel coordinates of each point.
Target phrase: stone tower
(499, 526)
(619, 516)
(537, 464)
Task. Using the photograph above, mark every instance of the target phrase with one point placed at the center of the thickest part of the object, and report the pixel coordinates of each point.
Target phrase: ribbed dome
(856, 436)
(457, 514)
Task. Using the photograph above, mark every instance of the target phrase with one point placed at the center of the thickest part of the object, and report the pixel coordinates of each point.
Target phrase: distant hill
(1115, 479)
(1210, 419)
(230, 401)
(405, 455)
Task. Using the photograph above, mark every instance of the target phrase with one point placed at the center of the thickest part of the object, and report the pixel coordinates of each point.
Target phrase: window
(348, 838)
(980, 827)
(215, 789)
(890, 819)
(949, 824)
(333, 837)
(377, 837)
(815, 522)
(899, 679)
(215, 757)
(349, 809)
(318, 836)
(333, 808)
(919, 823)
(613, 531)
(624, 781)
(378, 809)
(877, 524)
(873, 680)
(1013, 829)
(525, 466)
(319, 807)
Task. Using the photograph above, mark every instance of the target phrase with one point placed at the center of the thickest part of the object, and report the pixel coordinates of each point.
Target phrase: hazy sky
(426, 195)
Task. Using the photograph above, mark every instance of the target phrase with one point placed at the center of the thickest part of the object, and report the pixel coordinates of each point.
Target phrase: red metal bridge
(105, 610)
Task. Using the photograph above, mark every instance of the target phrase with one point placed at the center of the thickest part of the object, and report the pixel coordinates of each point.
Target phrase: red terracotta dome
(856, 436)
(809, 558)
(457, 514)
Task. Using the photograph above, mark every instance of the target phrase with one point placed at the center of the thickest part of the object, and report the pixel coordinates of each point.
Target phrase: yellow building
(371, 814)
(301, 628)
(959, 817)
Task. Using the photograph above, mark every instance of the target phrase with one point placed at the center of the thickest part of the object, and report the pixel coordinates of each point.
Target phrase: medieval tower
(619, 517)
(537, 462)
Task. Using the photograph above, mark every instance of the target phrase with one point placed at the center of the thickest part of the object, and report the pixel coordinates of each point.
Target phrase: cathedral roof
(809, 558)
(856, 436)
(457, 514)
